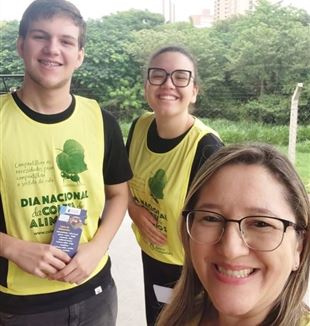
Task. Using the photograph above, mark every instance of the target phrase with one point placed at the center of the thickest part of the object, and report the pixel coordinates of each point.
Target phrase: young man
(57, 149)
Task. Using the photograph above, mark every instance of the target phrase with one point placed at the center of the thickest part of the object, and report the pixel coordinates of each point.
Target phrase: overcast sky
(13, 9)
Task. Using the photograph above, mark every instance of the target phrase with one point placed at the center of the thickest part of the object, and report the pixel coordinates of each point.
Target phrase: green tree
(109, 73)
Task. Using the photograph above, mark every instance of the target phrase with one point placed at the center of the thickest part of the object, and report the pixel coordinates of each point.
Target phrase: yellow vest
(160, 185)
(43, 166)
(306, 320)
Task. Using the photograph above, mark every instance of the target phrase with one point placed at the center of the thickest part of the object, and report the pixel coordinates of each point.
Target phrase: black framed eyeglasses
(179, 77)
(261, 233)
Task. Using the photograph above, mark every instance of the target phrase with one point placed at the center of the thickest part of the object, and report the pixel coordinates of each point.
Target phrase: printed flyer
(68, 229)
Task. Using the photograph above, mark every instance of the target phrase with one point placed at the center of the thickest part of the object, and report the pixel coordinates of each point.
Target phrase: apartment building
(204, 19)
(226, 8)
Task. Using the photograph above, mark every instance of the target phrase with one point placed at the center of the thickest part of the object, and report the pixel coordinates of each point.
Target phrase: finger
(158, 241)
(38, 272)
(58, 264)
(62, 274)
(73, 277)
(154, 231)
(157, 237)
(149, 218)
(77, 278)
(61, 255)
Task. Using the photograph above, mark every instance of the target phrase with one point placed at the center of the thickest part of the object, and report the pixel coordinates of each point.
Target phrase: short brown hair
(49, 8)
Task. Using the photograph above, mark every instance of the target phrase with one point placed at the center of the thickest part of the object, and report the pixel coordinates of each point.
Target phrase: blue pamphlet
(68, 229)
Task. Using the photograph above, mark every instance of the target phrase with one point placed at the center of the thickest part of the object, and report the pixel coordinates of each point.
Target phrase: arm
(35, 258)
(146, 223)
(207, 145)
(89, 254)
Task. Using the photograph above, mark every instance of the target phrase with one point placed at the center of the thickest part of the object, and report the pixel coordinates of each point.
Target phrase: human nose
(231, 244)
(51, 47)
(168, 81)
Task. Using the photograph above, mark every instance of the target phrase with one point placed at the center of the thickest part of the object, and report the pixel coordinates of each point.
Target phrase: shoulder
(211, 139)
(82, 100)
(108, 117)
(4, 98)
(208, 144)
(111, 125)
(144, 119)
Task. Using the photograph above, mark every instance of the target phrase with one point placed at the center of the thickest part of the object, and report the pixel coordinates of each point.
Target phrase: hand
(146, 223)
(37, 258)
(81, 265)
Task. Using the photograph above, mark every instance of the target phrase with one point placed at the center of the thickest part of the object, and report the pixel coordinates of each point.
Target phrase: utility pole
(164, 8)
(293, 123)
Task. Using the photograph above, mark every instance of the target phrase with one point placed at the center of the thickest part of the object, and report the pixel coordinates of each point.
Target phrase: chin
(234, 307)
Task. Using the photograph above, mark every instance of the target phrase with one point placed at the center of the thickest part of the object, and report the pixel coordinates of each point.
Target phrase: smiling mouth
(242, 273)
(48, 63)
(167, 97)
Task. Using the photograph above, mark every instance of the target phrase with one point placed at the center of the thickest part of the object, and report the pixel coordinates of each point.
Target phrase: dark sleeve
(130, 133)
(116, 168)
(207, 145)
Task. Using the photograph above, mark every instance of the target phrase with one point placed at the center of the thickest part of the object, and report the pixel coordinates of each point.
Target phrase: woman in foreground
(245, 232)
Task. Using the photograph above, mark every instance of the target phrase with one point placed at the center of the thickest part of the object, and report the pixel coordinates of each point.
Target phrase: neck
(45, 101)
(173, 127)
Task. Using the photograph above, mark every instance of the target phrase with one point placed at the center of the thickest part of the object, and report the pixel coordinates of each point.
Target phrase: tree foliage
(248, 65)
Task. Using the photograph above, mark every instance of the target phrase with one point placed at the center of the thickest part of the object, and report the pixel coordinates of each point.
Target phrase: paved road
(128, 276)
(127, 272)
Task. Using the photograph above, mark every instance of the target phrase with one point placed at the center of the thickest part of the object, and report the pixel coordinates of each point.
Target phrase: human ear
(20, 46)
(195, 93)
(80, 58)
(298, 250)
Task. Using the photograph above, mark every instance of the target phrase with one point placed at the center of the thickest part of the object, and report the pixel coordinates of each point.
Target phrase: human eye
(262, 224)
(157, 74)
(208, 218)
(68, 41)
(181, 75)
(39, 36)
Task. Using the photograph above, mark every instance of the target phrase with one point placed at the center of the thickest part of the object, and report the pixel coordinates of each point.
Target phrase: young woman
(166, 148)
(245, 232)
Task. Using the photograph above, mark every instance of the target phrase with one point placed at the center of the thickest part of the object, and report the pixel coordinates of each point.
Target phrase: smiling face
(242, 283)
(167, 100)
(51, 53)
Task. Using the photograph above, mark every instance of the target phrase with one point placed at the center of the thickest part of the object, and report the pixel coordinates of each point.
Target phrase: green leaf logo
(157, 184)
(71, 160)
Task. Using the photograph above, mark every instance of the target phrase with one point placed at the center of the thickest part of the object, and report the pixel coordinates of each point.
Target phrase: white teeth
(167, 97)
(237, 274)
(50, 63)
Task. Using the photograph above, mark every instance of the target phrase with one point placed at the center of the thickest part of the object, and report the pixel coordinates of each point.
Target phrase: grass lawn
(302, 165)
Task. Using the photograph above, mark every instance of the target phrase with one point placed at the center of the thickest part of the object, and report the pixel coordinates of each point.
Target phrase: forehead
(242, 189)
(58, 24)
(171, 61)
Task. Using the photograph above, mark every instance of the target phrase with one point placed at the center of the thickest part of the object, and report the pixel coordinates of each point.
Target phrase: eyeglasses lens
(258, 232)
(180, 78)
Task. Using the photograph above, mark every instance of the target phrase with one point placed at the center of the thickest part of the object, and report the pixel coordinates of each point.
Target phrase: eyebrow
(254, 209)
